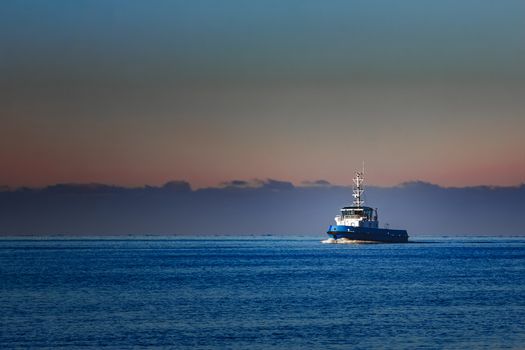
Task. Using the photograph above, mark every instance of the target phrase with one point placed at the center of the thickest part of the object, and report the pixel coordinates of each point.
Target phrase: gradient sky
(134, 92)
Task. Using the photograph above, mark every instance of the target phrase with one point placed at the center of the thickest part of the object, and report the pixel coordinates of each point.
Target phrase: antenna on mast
(358, 189)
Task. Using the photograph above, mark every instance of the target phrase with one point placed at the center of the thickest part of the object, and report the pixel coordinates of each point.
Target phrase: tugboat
(358, 223)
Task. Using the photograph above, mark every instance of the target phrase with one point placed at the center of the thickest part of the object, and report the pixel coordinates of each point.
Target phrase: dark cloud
(242, 184)
(73, 188)
(277, 185)
(237, 183)
(418, 185)
(317, 183)
(273, 207)
(177, 186)
(269, 184)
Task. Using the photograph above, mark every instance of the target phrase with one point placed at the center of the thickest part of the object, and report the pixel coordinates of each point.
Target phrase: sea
(261, 292)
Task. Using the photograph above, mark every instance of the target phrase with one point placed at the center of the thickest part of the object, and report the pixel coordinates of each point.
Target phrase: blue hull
(368, 234)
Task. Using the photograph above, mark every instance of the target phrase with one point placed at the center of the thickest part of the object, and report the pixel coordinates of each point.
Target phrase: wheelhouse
(354, 212)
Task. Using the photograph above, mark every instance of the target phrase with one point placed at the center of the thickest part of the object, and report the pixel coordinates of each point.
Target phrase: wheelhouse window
(353, 213)
(357, 213)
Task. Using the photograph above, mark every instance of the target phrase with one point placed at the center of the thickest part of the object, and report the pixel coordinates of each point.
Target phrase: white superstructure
(358, 215)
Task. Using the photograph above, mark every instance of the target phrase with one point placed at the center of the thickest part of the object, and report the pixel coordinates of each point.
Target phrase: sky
(141, 92)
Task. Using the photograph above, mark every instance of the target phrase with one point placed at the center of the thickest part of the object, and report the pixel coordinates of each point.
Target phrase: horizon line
(241, 184)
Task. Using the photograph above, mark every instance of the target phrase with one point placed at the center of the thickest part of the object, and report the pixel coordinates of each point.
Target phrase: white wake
(344, 240)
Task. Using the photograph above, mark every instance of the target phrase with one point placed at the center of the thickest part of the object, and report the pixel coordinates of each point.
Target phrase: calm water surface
(262, 293)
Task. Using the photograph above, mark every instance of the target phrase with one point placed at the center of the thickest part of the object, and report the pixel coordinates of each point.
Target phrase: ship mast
(359, 177)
